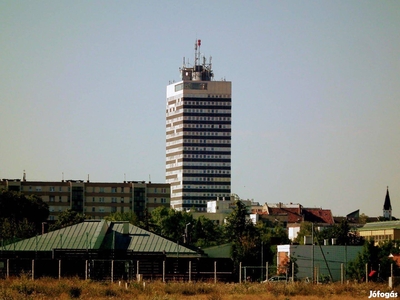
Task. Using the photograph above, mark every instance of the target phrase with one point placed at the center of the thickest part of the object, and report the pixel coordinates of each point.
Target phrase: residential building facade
(95, 199)
(380, 231)
(198, 137)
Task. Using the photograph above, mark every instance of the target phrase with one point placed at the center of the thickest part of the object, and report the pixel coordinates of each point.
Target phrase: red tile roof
(293, 214)
(318, 215)
(296, 214)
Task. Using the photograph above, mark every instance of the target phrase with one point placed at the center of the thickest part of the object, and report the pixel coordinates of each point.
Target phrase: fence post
(190, 271)
(163, 271)
(59, 269)
(391, 281)
(8, 268)
(366, 272)
(33, 269)
(112, 271)
(215, 271)
(137, 267)
(341, 273)
(240, 272)
(292, 271)
(86, 269)
(266, 271)
(245, 276)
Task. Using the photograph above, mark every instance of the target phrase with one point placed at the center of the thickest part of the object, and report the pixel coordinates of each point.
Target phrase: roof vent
(125, 228)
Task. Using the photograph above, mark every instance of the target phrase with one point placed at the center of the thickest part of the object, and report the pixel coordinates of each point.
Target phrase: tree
(206, 233)
(243, 235)
(343, 234)
(363, 218)
(67, 218)
(377, 258)
(305, 229)
(130, 216)
(170, 223)
(20, 215)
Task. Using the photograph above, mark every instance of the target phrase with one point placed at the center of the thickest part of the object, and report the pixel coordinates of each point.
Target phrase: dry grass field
(48, 288)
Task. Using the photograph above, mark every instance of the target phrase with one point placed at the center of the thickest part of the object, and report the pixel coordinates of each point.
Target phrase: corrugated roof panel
(80, 236)
(144, 241)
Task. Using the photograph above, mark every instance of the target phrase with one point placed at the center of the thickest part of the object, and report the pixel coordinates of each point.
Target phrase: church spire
(387, 206)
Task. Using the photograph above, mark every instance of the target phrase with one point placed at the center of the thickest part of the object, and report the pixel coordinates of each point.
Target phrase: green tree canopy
(205, 233)
(243, 235)
(20, 215)
(377, 258)
(67, 218)
(170, 223)
(130, 216)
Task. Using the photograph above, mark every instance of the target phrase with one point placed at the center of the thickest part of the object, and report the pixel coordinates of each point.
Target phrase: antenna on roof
(197, 45)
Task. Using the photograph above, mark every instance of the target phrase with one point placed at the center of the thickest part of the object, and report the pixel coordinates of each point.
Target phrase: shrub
(75, 292)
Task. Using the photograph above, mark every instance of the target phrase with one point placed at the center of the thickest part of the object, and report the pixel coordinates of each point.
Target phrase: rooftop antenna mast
(197, 52)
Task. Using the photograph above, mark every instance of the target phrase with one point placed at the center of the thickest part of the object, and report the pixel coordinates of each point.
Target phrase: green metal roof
(100, 234)
(140, 240)
(85, 235)
(381, 225)
(220, 251)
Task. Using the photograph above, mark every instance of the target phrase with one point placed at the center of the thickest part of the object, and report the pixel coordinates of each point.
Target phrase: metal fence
(115, 270)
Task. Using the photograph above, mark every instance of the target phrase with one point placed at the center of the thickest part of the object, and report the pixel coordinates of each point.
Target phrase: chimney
(125, 228)
(44, 227)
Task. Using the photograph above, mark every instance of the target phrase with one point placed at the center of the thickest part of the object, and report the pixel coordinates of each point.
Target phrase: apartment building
(95, 199)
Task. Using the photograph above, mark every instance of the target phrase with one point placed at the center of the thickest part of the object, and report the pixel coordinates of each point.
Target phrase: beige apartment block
(95, 199)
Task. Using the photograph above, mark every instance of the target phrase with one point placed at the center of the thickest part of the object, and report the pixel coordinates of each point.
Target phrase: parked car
(277, 279)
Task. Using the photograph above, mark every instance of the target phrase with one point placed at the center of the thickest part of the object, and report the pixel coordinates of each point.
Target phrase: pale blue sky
(316, 91)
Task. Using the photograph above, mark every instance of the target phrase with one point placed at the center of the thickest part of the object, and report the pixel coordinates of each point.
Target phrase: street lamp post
(186, 236)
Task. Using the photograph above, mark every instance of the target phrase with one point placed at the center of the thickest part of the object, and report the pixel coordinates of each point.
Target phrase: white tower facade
(198, 137)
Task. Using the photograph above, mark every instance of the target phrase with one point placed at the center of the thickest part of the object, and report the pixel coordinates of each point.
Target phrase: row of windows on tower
(203, 195)
(216, 187)
(208, 126)
(206, 156)
(202, 102)
(197, 149)
(196, 171)
(196, 118)
(198, 179)
(199, 164)
(196, 141)
(208, 133)
(182, 109)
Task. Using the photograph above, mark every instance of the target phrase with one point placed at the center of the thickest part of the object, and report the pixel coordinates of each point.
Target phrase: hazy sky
(315, 84)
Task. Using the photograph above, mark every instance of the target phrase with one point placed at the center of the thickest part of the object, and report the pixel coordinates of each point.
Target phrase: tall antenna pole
(195, 53)
(198, 44)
